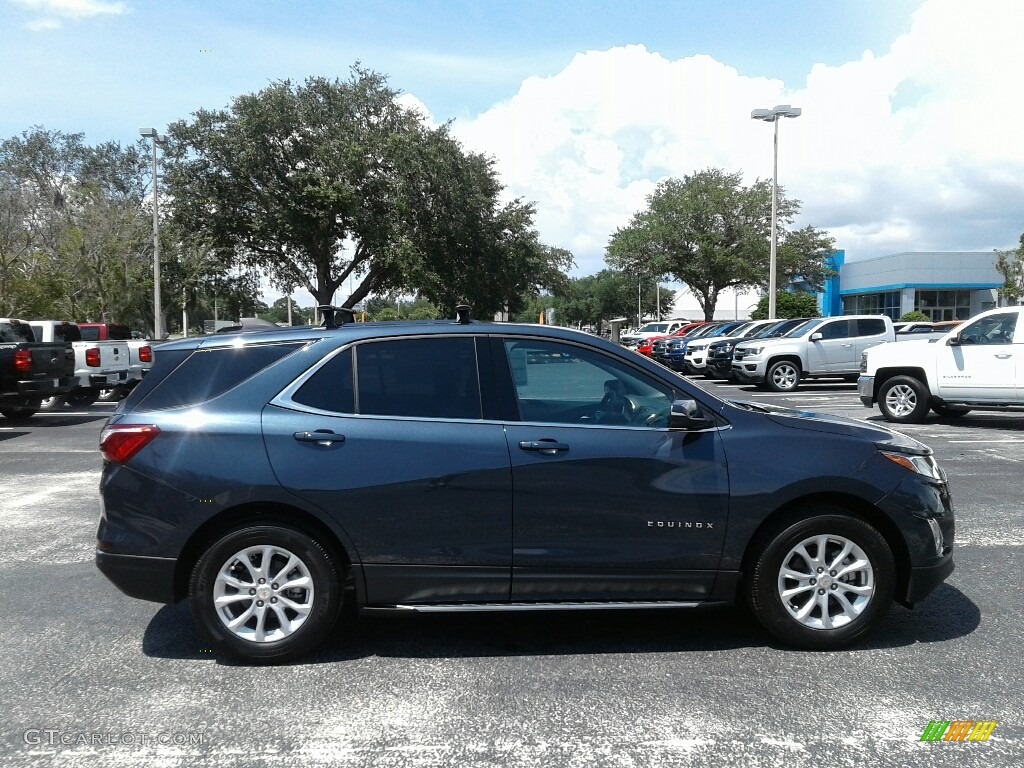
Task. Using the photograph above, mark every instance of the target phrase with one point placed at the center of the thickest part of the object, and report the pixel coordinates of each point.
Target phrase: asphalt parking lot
(91, 677)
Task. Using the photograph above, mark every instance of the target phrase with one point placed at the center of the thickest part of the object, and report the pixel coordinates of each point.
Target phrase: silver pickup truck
(99, 365)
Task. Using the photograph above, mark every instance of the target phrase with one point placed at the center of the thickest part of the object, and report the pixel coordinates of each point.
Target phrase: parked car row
(106, 362)
(777, 354)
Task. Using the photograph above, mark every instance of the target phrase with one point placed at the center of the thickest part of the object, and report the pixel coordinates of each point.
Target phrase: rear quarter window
(872, 327)
(204, 374)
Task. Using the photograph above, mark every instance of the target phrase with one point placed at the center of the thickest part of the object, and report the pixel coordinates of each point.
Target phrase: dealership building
(943, 285)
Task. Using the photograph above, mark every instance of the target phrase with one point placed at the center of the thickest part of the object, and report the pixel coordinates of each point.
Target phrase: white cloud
(75, 9)
(39, 25)
(913, 148)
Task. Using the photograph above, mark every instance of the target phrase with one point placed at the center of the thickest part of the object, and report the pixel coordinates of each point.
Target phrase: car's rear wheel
(822, 582)
(54, 403)
(266, 593)
(904, 400)
(783, 376)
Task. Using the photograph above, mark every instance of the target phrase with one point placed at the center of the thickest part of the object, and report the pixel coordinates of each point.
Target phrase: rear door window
(871, 326)
(426, 378)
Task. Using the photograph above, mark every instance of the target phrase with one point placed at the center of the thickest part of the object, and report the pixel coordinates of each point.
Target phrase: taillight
(23, 360)
(146, 354)
(92, 357)
(119, 442)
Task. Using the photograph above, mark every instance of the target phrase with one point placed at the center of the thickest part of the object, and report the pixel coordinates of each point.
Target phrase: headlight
(698, 347)
(922, 465)
(753, 350)
(863, 362)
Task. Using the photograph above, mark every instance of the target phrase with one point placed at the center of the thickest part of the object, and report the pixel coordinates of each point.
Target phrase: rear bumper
(144, 578)
(37, 389)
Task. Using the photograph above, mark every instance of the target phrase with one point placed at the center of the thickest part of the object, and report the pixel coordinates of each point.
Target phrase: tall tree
(320, 182)
(1011, 266)
(710, 232)
(595, 299)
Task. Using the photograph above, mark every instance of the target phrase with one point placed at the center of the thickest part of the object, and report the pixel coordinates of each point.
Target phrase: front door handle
(325, 437)
(1003, 356)
(546, 445)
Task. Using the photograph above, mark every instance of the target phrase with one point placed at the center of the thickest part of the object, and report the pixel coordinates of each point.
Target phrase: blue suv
(269, 477)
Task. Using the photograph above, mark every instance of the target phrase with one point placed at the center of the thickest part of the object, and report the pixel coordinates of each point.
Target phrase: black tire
(18, 413)
(54, 403)
(783, 376)
(950, 411)
(82, 397)
(903, 400)
(324, 601)
(779, 615)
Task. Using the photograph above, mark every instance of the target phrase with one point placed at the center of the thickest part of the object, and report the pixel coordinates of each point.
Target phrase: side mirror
(815, 337)
(953, 341)
(686, 414)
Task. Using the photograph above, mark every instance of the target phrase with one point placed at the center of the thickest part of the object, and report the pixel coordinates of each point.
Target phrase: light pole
(772, 116)
(150, 133)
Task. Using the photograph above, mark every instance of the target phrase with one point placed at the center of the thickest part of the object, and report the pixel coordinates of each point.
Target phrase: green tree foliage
(788, 305)
(915, 317)
(72, 230)
(710, 232)
(598, 298)
(1011, 266)
(320, 182)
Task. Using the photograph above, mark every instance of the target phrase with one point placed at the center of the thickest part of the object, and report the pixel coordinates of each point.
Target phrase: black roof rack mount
(462, 312)
(335, 317)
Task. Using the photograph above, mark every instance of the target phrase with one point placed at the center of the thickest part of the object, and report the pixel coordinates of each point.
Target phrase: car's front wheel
(783, 376)
(266, 593)
(822, 582)
(904, 400)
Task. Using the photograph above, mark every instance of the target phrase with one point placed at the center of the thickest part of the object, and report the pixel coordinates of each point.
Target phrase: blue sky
(909, 139)
(147, 62)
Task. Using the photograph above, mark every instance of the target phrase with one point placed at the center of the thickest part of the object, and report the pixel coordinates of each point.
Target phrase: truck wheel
(783, 376)
(18, 413)
(950, 411)
(82, 397)
(823, 582)
(904, 400)
(54, 403)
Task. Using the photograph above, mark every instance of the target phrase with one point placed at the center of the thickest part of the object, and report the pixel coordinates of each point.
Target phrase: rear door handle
(325, 437)
(547, 446)
(1004, 356)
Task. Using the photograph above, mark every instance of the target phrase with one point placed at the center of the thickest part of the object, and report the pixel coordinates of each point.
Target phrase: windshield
(655, 327)
(804, 327)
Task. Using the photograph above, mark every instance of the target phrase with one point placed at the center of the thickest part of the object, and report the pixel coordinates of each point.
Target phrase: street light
(151, 133)
(772, 116)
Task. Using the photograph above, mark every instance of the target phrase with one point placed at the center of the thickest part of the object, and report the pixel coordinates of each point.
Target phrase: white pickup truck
(99, 365)
(978, 364)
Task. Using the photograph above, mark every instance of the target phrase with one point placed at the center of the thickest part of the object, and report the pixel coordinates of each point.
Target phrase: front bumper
(144, 578)
(924, 580)
(866, 390)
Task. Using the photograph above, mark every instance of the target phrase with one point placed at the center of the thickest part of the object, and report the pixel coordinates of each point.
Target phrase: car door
(387, 437)
(608, 503)
(983, 362)
(836, 349)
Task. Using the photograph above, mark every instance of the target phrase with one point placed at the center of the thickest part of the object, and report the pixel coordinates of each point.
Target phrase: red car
(647, 344)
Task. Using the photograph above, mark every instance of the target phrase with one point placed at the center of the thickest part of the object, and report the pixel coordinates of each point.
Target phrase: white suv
(650, 330)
